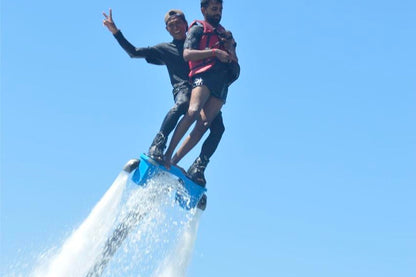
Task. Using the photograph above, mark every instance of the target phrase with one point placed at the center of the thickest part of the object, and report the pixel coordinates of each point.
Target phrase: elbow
(186, 55)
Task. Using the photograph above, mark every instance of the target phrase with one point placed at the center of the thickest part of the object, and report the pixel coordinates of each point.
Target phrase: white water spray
(176, 263)
(81, 247)
(132, 231)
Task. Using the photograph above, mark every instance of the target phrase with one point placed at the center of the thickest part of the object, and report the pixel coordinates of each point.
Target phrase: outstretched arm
(109, 22)
(151, 54)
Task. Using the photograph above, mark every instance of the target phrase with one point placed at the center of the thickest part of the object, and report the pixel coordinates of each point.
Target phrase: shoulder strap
(207, 27)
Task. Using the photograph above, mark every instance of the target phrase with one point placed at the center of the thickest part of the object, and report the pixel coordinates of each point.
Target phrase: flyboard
(188, 195)
(145, 168)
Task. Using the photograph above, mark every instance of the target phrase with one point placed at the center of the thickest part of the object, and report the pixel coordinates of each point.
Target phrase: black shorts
(214, 81)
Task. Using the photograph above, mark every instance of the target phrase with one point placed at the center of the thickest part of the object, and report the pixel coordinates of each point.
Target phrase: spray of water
(176, 263)
(132, 231)
(83, 244)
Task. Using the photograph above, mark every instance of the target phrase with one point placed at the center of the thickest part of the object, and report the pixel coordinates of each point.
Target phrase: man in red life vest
(210, 50)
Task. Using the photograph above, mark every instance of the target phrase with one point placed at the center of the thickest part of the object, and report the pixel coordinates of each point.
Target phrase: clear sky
(315, 174)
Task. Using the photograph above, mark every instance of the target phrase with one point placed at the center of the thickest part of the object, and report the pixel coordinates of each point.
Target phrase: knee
(217, 127)
(193, 113)
(180, 107)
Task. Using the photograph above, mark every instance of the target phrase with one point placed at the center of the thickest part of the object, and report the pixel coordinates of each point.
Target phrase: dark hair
(205, 3)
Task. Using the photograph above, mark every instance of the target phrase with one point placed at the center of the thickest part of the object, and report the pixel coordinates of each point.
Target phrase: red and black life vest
(209, 40)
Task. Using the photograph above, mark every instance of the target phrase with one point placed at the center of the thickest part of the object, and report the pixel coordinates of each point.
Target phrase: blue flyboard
(192, 194)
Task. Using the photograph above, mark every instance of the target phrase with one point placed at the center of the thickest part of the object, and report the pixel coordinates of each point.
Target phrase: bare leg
(198, 98)
(211, 108)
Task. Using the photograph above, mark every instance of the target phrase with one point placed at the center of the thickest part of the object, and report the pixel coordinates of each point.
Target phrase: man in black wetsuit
(171, 55)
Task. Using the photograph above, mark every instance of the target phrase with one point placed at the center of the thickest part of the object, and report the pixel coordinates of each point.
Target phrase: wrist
(213, 52)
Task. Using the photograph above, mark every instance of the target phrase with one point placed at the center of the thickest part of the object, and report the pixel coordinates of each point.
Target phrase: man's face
(176, 28)
(213, 12)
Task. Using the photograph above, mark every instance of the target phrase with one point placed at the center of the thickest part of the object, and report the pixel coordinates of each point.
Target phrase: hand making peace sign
(109, 23)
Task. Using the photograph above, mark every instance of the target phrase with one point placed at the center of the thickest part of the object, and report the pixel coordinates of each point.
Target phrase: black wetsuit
(171, 55)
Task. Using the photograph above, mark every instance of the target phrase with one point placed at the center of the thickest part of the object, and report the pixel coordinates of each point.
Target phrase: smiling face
(213, 12)
(177, 28)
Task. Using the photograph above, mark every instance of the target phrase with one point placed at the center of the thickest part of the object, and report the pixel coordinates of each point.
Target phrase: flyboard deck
(146, 168)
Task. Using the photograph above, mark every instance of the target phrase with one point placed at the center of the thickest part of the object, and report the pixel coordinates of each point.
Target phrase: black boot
(197, 169)
(157, 148)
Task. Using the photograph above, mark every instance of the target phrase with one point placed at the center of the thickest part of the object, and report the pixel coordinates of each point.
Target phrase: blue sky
(316, 172)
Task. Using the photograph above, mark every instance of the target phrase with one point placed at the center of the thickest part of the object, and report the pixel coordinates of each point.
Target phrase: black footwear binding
(157, 148)
(159, 159)
(197, 169)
